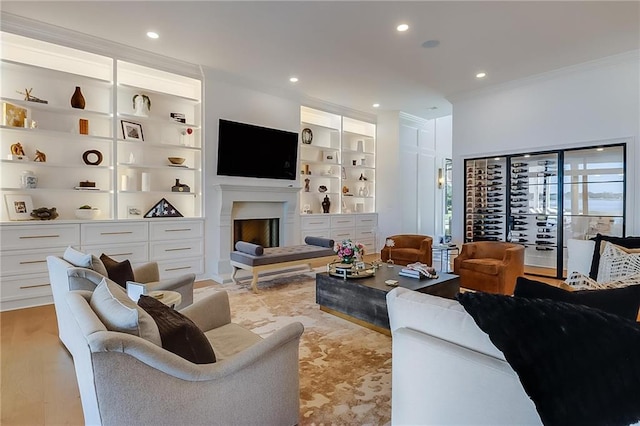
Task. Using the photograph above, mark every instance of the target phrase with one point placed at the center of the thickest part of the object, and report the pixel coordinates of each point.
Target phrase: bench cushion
(274, 255)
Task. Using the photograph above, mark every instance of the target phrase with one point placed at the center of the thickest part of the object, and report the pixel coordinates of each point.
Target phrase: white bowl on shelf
(86, 214)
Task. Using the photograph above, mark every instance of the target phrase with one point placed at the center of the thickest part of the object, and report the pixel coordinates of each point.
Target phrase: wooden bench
(276, 257)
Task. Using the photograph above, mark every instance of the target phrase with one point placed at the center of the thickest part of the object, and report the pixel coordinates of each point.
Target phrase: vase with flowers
(348, 251)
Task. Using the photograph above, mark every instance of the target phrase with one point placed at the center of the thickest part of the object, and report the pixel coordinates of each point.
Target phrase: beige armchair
(125, 379)
(65, 277)
(408, 248)
(490, 266)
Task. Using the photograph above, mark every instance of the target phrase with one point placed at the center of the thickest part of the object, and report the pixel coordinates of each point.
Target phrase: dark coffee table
(364, 300)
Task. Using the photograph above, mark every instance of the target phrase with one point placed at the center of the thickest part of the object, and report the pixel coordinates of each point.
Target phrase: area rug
(345, 369)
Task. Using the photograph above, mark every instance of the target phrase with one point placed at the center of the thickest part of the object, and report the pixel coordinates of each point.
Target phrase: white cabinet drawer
(25, 287)
(120, 232)
(362, 233)
(134, 252)
(175, 268)
(315, 222)
(342, 234)
(175, 230)
(29, 236)
(369, 245)
(167, 250)
(18, 262)
(343, 221)
(367, 220)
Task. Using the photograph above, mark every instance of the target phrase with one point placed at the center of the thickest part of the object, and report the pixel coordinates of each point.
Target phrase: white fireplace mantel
(226, 195)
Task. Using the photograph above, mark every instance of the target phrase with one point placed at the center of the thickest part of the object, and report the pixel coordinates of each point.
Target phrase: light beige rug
(345, 369)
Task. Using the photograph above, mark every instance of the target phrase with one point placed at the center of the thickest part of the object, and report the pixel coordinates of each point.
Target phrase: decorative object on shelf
(132, 158)
(326, 204)
(354, 162)
(40, 157)
(86, 184)
(362, 177)
(359, 207)
(345, 189)
(307, 136)
(45, 213)
(92, 157)
(360, 145)
(77, 100)
(180, 187)
(33, 124)
(178, 117)
(29, 97)
(176, 160)
(28, 180)
(17, 149)
(322, 188)
(365, 191)
(134, 212)
(131, 131)
(306, 169)
(329, 156)
(141, 105)
(86, 212)
(145, 182)
(124, 183)
(184, 136)
(163, 208)
(363, 161)
(349, 251)
(390, 243)
(344, 173)
(83, 126)
(307, 181)
(360, 192)
(306, 209)
(19, 206)
(13, 115)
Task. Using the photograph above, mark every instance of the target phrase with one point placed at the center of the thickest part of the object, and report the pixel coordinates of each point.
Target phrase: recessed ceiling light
(433, 108)
(402, 27)
(376, 105)
(527, 155)
(497, 158)
(481, 75)
(152, 34)
(293, 79)
(430, 44)
(599, 149)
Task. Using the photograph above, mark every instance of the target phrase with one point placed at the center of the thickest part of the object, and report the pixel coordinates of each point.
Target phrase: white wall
(574, 107)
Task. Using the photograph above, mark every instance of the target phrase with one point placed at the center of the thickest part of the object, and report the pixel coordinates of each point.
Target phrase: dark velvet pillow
(626, 242)
(623, 301)
(178, 333)
(119, 272)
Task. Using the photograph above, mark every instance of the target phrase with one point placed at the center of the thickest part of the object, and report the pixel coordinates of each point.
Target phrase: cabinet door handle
(177, 230)
(316, 223)
(177, 268)
(27, 262)
(116, 233)
(178, 249)
(119, 254)
(39, 236)
(24, 287)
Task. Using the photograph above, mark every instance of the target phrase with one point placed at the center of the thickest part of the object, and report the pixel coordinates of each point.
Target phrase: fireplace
(265, 232)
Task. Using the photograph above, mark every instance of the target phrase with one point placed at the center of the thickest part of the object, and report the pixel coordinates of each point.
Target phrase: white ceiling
(350, 54)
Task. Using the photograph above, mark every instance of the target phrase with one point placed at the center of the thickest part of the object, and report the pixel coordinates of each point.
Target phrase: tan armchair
(490, 266)
(408, 248)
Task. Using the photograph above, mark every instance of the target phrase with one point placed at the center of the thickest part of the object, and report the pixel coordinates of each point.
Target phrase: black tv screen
(252, 151)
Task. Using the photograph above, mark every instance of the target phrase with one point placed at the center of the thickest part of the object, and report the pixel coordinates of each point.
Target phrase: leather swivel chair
(408, 248)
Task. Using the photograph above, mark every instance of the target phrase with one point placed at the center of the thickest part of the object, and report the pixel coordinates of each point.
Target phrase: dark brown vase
(326, 204)
(77, 100)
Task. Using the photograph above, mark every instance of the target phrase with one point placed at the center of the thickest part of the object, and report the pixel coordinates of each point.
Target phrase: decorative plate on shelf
(307, 136)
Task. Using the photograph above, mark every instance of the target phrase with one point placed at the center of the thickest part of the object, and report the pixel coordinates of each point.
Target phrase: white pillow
(77, 258)
(617, 262)
(580, 281)
(119, 313)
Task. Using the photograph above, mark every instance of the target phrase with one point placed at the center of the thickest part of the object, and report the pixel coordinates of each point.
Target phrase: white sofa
(446, 370)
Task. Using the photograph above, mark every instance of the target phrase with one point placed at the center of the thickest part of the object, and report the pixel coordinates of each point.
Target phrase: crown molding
(626, 57)
(62, 36)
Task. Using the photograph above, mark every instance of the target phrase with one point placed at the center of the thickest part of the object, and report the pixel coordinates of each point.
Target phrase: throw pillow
(619, 301)
(577, 281)
(617, 262)
(119, 313)
(319, 241)
(98, 266)
(628, 242)
(250, 248)
(178, 333)
(577, 364)
(120, 272)
(77, 258)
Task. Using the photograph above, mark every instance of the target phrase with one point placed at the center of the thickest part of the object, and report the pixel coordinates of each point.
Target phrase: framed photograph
(13, 115)
(134, 212)
(19, 206)
(131, 131)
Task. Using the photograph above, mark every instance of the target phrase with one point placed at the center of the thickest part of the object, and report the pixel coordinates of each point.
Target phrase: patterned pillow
(617, 262)
(578, 281)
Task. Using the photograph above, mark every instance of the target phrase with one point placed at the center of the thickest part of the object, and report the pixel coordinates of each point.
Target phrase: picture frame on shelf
(19, 206)
(132, 131)
(14, 115)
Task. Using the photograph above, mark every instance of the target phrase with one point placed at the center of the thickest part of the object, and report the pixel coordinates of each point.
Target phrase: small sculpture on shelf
(322, 188)
(180, 187)
(16, 149)
(307, 181)
(29, 97)
(40, 157)
(326, 204)
(362, 177)
(141, 105)
(77, 99)
(44, 213)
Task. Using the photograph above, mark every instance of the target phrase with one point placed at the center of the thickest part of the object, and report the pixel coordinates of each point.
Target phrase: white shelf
(159, 193)
(155, 166)
(52, 72)
(156, 92)
(50, 164)
(56, 133)
(157, 145)
(157, 120)
(56, 109)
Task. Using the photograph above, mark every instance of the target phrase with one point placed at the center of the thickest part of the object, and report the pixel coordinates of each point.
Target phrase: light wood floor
(37, 378)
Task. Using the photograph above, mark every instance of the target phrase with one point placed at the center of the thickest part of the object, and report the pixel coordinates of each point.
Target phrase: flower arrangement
(347, 250)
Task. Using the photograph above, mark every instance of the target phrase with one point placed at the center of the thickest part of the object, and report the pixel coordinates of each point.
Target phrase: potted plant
(141, 104)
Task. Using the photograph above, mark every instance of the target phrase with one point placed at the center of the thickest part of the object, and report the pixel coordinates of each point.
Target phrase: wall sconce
(440, 178)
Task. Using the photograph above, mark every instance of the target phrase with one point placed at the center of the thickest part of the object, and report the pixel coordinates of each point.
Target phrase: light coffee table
(364, 300)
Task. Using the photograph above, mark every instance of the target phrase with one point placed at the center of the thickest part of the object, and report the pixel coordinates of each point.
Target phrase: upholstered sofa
(445, 369)
(490, 266)
(408, 248)
(126, 379)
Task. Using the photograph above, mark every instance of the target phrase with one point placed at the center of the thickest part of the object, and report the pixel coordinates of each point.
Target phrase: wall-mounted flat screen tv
(247, 150)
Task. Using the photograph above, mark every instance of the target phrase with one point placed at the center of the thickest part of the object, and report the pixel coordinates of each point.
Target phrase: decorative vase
(77, 100)
(326, 204)
(141, 105)
(347, 259)
(28, 180)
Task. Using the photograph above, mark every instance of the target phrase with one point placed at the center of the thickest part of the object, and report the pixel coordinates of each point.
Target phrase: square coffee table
(364, 300)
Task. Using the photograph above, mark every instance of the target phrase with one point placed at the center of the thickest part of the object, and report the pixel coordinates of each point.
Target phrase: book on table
(412, 273)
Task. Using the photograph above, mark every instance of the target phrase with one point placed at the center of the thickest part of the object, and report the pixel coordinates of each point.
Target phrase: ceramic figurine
(326, 204)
